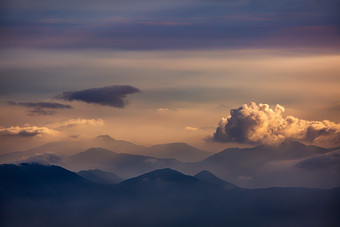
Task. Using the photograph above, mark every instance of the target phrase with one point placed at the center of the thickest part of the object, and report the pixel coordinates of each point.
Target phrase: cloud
(162, 109)
(29, 131)
(44, 159)
(171, 24)
(41, 108)
(107, 96)
(189, 128)
(262, 125)
(81, 122)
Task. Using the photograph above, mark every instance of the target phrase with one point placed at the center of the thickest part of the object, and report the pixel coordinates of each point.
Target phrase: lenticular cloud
(254, 123)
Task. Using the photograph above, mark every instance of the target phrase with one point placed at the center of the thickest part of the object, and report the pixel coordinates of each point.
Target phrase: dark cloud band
(48, 105)
(108, 96)
(41, 108)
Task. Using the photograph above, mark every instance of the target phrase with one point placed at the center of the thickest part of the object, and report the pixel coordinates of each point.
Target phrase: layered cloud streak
(260, 124)
(41, 108)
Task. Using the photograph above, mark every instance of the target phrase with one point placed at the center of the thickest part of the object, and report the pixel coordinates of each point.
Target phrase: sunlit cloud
(162, 109)
(80, 122)
(260, 124)
(28, 131)
(189, 128)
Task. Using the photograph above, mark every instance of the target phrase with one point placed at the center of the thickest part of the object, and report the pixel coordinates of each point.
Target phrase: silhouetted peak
(205, 173)
(34, 172)
(292, 144)
(165, 175)
(208, 177)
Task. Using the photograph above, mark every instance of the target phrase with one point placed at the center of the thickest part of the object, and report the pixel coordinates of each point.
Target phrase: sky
(214, 74)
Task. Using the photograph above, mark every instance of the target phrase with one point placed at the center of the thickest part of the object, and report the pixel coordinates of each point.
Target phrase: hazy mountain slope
(286, 151)
(58, 148)
(36, 180)
(124, 165)
(265, 166)
(100, 177)
(179, 151)
(73, 147)
(162, 179)
(260, 166)
(207, 176)
(121, 146)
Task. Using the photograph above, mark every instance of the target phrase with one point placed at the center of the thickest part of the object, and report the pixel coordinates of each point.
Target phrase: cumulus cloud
(108, 96)
(260, 124)
(28, 131)
(81, 122)
(41, 108)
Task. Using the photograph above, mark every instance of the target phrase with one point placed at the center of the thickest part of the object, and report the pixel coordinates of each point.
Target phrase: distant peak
(289, 144)
(205, 172)
(104, 137)
(98, 150)
(165, 174)
(207, 176)
(164, 171)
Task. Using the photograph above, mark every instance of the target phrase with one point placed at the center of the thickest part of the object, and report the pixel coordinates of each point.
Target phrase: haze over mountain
(265, 166)
(288, 164)
(179, 151)
(125, 165)
(73, 147)
(99, 176)
(207, 176)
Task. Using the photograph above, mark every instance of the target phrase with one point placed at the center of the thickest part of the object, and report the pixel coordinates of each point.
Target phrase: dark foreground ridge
(37, 195)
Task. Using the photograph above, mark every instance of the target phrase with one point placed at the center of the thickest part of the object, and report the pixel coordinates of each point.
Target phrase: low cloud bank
(29, 131)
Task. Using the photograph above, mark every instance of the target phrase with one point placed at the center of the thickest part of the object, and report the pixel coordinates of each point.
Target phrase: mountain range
(37, 195)
(290, 164)
(180, 151)
(99, 176)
